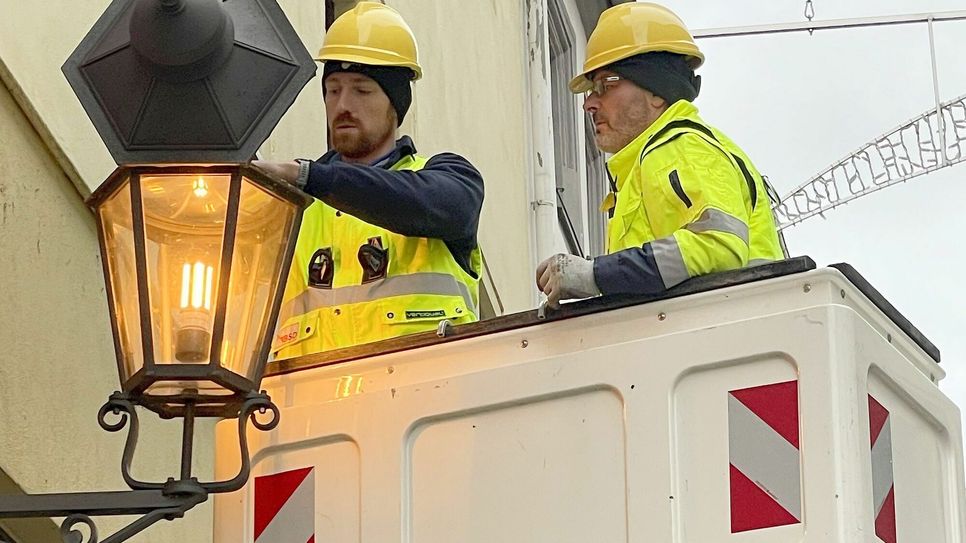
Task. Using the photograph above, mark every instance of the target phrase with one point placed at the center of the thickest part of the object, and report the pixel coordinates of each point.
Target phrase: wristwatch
(303, 177)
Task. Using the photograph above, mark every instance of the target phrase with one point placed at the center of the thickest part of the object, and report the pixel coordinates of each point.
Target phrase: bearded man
(685, 200)
(390, 246)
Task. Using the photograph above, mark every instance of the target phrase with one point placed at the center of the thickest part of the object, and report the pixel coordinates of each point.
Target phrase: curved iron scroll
(154, 501)
(184, 495)
(254, 404)
(154, 505)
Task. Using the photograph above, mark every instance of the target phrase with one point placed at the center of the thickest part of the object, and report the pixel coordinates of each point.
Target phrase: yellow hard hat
(630, 29)
(374, 34)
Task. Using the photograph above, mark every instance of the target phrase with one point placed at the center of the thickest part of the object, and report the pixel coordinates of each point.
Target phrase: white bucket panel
(550, 469)
(663, 422)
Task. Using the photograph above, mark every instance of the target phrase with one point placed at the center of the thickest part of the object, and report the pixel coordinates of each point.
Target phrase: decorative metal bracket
(154, 501)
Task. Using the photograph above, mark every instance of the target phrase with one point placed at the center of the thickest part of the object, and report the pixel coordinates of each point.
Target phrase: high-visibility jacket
(686, 201)
(352, 282)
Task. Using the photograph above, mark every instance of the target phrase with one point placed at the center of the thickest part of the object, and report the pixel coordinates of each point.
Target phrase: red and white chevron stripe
(883, 482)
(763, 449)
(285, 507)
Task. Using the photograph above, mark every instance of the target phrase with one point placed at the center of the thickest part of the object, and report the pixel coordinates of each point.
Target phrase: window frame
(578, 164)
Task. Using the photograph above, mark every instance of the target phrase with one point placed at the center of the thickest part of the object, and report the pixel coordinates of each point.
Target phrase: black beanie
(393, 80)
(667, 75)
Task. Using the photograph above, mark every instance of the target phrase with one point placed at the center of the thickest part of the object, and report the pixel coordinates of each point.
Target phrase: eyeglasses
(600, 85)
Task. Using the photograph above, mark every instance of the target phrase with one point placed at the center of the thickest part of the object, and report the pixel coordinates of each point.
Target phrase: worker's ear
(655, 101)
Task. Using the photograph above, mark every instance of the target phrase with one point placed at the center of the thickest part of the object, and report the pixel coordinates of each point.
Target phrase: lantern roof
(175, 81)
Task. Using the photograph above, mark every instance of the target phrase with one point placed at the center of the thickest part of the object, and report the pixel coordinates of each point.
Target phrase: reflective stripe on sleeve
(719, 221)
(670, 261)
(415, 283)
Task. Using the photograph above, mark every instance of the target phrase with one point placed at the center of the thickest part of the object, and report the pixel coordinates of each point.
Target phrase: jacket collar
(623, 161)
(404, 148)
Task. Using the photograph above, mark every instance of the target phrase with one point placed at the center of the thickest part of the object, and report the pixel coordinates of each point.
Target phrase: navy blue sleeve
(442, 200)
(631, 271)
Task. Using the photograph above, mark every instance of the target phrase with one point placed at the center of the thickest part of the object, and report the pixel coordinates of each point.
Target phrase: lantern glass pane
(118, 243)
(184, 216)
(264, 225)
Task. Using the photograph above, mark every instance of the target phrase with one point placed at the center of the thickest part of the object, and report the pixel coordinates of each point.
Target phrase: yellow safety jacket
(693, 195)
(338, 294)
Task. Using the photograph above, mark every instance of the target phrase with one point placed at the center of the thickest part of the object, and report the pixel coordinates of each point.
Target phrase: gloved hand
(564, 277)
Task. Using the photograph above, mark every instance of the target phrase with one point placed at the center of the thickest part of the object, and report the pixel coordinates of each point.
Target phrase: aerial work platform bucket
(776, 404)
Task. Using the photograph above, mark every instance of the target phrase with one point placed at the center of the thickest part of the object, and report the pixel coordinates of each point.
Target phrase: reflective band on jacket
(427, 283)
(719, 221)
(667, 252)
(670, 261)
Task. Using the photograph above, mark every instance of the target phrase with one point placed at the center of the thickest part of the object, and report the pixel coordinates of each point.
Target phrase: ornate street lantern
(195, 243)
(195, 259)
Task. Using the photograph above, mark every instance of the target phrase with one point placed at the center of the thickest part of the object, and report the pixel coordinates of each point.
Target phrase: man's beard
(624, 129)
(362, 143)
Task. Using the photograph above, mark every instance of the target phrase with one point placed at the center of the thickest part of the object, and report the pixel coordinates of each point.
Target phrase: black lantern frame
(151, 372)
(190, 89)
(168, 500)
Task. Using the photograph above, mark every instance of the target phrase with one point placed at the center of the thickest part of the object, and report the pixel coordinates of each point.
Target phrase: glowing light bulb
(185, 285)
(194, 321)
(196, 283)
(200, 187)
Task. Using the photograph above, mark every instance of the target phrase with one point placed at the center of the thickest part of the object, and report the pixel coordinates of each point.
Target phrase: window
(580, 178)
(597, 189)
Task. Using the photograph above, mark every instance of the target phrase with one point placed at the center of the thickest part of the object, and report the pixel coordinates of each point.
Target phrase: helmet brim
(368, 56)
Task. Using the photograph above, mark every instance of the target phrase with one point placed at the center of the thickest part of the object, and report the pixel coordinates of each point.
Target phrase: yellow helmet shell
(633, 28)
(374, 34)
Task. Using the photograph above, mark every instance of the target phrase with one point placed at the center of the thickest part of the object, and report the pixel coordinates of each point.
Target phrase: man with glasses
(684, 200)
(390, 246)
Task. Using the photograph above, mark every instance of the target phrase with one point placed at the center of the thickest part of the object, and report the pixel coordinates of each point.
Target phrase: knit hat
(393, 80)
(665, 74)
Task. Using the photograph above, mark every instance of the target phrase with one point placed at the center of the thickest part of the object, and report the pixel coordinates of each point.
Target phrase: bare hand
(286, 171)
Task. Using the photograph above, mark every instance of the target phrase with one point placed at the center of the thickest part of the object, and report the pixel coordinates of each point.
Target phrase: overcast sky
(799, 103)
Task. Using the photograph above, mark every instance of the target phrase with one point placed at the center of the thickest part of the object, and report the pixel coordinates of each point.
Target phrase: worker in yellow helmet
(390, 246)
(684, 200)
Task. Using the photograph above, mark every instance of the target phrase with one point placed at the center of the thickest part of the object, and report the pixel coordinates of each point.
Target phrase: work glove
(565, 277)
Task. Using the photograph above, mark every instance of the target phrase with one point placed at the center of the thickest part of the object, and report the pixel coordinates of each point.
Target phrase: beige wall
(57, 362)
(471, 101)
(32, 53)
(301, 132)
